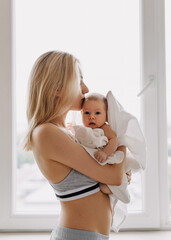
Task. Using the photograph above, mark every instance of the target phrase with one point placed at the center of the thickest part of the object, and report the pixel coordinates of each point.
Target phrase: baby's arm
(110, 148)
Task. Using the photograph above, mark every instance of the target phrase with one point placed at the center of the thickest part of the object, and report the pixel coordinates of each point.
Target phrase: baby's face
(94, 113)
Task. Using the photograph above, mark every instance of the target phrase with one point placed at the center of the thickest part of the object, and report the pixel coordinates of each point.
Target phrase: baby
(94, 115)
(100, 140)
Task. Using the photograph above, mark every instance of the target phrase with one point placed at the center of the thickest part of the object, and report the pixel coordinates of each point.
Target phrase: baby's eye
(97, 113)
(86, 113)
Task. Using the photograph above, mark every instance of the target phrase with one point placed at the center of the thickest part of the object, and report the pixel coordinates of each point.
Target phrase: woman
(56, 86)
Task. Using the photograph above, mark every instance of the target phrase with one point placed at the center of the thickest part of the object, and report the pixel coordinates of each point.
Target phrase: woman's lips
(82, 103)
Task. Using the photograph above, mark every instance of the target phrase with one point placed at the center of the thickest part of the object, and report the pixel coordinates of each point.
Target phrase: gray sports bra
(76, 185)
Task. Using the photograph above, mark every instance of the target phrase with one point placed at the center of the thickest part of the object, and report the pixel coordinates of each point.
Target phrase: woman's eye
(97, 113)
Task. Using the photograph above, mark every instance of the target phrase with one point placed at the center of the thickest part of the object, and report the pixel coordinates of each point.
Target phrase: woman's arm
(54, 144)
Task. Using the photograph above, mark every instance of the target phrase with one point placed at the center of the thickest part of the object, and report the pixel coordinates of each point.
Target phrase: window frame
(153, 103)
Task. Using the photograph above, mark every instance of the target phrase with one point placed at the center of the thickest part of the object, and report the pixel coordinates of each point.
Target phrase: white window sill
(140, 235)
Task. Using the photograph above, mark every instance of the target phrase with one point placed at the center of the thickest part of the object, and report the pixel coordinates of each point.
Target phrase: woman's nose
(84, 88)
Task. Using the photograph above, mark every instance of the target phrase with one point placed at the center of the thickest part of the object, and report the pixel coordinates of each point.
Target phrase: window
(168, 93)
(110, 47)
(103, 48)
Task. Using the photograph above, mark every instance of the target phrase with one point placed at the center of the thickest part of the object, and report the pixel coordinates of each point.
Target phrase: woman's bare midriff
(92, 213)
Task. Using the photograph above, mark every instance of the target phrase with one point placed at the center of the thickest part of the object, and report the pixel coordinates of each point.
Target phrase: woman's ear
(57, 94)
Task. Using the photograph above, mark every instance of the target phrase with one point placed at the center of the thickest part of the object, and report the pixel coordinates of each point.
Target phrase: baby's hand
(100, 156)
(69, 125)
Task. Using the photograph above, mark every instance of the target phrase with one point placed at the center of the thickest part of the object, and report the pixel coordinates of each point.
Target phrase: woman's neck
(59, 121)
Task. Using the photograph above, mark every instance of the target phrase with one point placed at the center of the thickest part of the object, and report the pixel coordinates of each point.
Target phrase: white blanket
(129, 134)
(127, 129)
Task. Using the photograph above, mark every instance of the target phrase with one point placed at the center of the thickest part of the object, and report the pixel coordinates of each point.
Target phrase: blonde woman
(56, 86)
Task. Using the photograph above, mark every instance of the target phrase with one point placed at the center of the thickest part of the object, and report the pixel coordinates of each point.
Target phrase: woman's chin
(82, 102)
(76, 108)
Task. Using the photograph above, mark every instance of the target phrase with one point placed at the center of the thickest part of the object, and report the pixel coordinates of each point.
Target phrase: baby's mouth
(92, 123)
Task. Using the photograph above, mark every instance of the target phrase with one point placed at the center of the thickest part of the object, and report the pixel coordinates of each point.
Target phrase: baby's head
(94, 110)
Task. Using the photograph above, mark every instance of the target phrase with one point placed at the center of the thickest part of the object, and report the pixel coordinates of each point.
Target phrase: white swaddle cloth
(130, 135)
(127, 129)
(94, 139)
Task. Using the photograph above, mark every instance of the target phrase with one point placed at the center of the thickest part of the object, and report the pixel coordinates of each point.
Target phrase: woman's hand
(105, 189)
(69, 126)
(128, 174)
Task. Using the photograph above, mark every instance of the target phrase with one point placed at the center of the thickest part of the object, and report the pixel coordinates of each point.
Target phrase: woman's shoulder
(47, 132)
(42, 131)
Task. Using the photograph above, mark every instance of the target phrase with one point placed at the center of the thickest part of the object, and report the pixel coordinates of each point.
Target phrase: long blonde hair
(52, 86)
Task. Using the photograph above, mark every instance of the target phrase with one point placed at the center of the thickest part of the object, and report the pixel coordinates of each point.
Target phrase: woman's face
(79, 100)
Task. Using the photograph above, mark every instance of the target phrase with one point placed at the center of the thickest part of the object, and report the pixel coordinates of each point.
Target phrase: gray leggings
(62, 233)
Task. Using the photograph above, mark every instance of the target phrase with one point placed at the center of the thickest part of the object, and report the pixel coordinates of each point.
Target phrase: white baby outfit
(130, 135)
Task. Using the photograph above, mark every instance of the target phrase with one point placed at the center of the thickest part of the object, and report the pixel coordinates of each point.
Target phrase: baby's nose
(92, 116)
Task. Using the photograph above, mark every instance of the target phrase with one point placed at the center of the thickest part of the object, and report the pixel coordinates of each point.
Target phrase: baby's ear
(81, 111)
